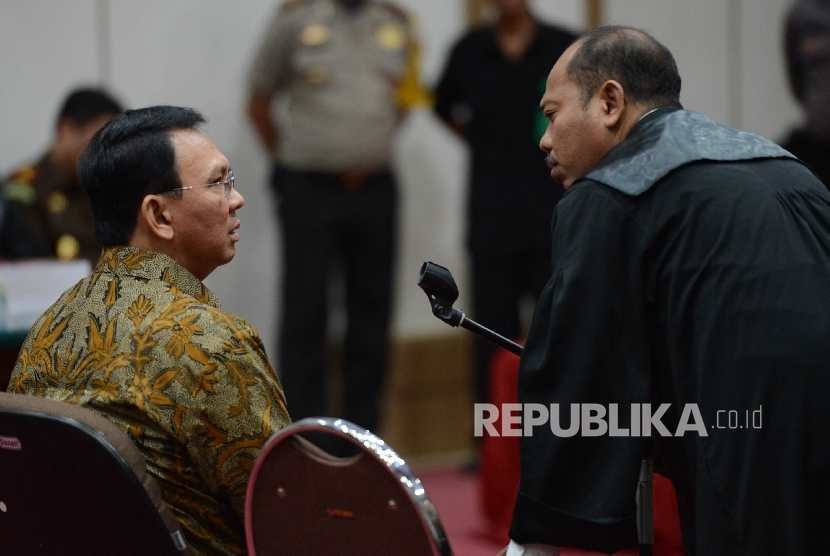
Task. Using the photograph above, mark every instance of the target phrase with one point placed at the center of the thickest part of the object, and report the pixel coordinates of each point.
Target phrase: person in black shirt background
(489, 94)
(807, 47)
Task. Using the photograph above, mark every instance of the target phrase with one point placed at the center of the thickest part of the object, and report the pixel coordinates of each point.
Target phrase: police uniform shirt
(341, 69)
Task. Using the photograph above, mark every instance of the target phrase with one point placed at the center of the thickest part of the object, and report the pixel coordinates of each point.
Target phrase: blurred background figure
(45, 212)
(348, 70)
(807, 40)
(489, 94)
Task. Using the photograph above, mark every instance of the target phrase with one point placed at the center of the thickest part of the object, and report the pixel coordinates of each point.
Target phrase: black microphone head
(438, 283)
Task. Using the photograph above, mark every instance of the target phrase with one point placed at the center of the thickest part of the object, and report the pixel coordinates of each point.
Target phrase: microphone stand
(439, 285)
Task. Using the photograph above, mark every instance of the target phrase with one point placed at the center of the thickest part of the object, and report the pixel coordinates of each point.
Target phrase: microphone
(439, 285)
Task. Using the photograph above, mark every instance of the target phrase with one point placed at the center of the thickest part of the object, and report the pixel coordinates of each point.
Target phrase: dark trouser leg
(498, 286)
(495, 306)
(370, 251)
(307, 246)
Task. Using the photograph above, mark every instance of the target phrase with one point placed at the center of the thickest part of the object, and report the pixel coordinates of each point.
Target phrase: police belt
(351, 180)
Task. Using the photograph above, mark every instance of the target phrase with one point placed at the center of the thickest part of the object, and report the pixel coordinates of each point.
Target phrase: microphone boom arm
(438, 284)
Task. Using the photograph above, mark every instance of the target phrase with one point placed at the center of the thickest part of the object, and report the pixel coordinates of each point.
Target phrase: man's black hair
(129, 158)
(644, 67)
(82, 106)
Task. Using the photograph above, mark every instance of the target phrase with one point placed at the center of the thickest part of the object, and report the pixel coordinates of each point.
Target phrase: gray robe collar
(668, 138)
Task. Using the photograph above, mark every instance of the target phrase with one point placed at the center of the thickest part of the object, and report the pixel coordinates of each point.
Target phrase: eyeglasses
(228, 184)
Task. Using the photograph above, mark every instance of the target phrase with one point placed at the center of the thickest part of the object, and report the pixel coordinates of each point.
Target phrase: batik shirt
(144, 343)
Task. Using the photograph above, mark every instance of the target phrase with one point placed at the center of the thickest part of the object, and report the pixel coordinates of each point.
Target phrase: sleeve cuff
(537, 523)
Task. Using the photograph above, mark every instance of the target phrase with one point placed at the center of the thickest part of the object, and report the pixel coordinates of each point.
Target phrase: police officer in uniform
(348, 70)
(44, 211)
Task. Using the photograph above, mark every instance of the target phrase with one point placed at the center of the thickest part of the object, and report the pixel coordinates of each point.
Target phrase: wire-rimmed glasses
(228, 184)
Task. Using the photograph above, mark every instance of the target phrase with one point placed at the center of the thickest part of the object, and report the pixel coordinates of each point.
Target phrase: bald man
(689, 301)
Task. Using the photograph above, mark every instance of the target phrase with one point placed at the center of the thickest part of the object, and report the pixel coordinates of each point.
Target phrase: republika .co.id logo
(593, 419)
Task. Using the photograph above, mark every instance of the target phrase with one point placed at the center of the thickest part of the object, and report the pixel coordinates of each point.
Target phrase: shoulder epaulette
(20, 186)
(25, 174)
(20, 191)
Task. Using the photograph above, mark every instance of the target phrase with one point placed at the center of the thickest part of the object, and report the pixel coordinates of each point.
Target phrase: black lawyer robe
(691, 266)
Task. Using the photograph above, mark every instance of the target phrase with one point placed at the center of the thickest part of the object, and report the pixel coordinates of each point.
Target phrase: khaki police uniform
(342, 71)
(346, 74)
(47, 214)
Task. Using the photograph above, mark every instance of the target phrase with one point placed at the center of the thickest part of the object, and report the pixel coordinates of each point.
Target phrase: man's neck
(634, 113)
(514, 33)
(64, 162)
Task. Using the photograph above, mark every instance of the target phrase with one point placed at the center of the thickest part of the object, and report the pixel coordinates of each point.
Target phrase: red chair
(499, 468)
(301, 500)
(500, 471)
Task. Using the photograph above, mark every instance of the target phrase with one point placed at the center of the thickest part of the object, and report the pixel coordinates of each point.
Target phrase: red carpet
(456, 495)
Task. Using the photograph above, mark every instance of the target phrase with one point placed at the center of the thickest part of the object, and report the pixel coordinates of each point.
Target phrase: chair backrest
(303, 501)
(72, 482)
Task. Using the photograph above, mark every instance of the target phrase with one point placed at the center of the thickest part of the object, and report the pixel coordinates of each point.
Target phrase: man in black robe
(689, 300)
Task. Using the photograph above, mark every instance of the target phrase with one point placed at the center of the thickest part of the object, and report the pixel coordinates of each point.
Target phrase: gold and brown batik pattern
(144, 343)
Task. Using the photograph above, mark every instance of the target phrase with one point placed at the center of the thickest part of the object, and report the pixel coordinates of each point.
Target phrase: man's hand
(531, 550)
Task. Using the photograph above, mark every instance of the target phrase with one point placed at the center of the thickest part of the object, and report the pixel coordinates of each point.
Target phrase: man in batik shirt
(143, 341)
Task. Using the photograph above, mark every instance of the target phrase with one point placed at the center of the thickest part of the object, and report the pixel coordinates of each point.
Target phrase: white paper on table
(28, 288)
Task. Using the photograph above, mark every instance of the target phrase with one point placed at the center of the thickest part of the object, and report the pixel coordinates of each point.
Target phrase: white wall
(729, 53)
(195, 53)
(39, 61)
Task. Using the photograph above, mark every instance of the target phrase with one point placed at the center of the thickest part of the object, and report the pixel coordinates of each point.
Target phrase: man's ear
(613, 102)
(157, 216)
(64, 127)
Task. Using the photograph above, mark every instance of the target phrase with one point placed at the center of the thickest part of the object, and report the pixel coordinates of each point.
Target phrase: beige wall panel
(729, 53)
(47, 49)
(697, 34)
(763, 97)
